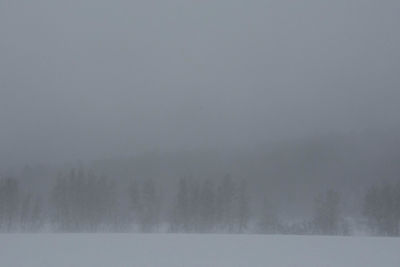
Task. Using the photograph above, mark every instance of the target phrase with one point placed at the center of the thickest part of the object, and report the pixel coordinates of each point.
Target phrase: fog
(293, 97)
(84, 80)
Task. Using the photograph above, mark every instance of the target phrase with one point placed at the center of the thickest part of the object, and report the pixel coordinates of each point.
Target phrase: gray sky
(93, 78)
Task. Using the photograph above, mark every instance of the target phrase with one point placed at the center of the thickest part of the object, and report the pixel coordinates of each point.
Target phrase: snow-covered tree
(382, 209)
(326, 213)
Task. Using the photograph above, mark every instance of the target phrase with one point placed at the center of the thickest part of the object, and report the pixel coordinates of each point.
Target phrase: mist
(88, 80)
(276, 110)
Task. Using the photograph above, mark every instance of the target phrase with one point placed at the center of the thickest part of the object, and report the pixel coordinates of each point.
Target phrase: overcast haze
(93, 79)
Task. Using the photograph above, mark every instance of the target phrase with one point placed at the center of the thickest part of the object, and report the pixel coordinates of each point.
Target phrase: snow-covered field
(182, 250)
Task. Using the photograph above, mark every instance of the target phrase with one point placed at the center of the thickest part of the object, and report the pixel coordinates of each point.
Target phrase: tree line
(81, 201)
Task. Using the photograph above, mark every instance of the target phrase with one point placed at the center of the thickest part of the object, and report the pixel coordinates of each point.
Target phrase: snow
(186, 250)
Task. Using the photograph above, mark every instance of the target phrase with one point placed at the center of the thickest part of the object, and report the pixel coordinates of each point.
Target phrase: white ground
(169, 250)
